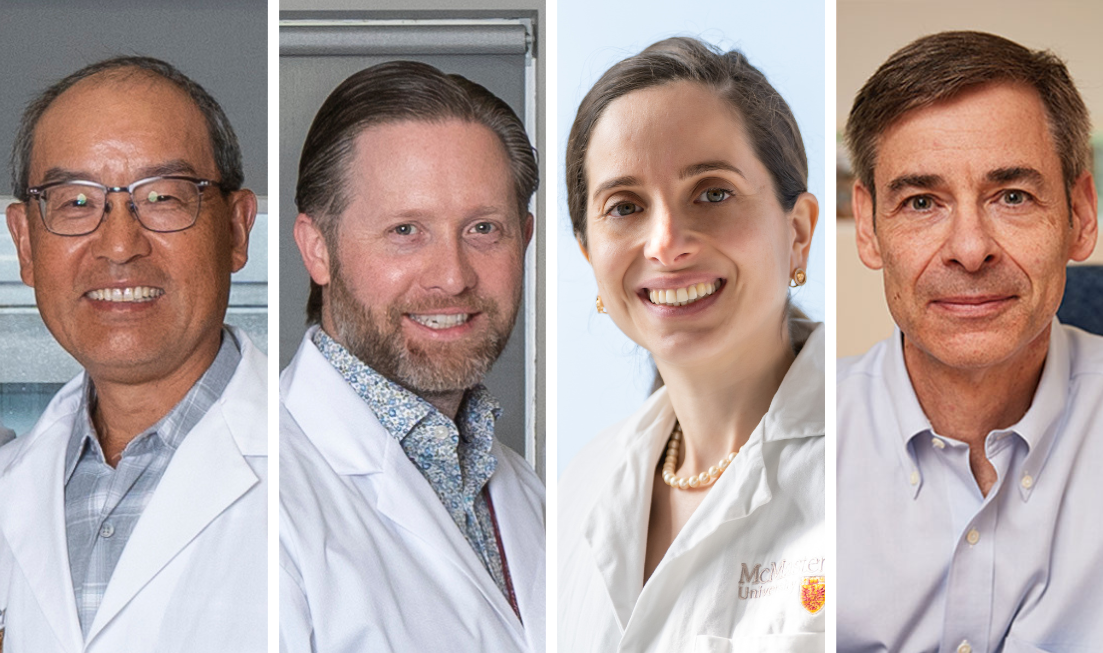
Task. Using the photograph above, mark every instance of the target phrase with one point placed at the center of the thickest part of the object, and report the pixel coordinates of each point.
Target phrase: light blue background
(602, 375)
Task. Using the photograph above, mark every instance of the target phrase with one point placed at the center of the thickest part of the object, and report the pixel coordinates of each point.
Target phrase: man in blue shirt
(969, 441)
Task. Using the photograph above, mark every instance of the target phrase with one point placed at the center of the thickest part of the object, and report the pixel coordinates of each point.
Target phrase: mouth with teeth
(439, 322)
(132, 295)
(683, 296)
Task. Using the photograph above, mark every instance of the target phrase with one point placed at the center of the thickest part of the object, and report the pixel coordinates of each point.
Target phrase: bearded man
(404, 525)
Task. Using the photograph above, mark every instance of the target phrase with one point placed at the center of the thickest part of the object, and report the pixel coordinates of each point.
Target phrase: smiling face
(129, 304)
(690, 247)
(426, 279)
(973, 226)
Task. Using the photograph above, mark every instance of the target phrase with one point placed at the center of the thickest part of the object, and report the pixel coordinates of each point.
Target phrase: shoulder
(301, 464)
(245, 399)
(864, 365)
(1085, 351)
(589, 469)
(519, 468)
(52, 428)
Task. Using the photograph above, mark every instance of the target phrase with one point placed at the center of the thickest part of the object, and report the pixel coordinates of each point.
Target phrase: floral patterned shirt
(454, 457)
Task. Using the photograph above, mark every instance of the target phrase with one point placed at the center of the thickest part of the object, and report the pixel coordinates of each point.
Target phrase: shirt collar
(1037, 427)
(399, 409)
(796, 410)
(175, 425)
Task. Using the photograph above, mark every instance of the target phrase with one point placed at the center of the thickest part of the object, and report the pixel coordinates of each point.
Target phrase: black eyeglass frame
(201, 184)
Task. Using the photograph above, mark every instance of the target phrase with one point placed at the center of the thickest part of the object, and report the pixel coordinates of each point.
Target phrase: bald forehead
(133, 110)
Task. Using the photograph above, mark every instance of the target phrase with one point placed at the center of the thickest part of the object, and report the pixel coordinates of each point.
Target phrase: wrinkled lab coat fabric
(370, 560)
(193, 575)
(731, 580)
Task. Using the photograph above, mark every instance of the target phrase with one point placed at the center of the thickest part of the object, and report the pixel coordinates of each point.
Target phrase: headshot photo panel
(691, 348)
(411, 489)
(134, 327)
(969, 379)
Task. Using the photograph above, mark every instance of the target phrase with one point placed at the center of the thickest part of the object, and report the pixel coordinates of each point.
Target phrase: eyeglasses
(161, 204)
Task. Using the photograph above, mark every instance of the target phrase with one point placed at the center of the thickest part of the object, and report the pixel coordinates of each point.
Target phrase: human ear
(1085, 225)
(20, 234)
(869, 250)
(582, 248)
(802, 224)
(313, 248)
(530, 225)
(243, 214)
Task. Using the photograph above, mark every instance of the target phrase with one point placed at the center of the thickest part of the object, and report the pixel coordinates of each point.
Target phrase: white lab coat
(370, 560)
(731, 580)
(193, 575)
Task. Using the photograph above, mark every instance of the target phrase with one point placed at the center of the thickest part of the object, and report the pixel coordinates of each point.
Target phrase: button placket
(970, 585)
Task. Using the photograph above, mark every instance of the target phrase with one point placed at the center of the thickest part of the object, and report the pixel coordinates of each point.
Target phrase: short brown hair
(396, 91)
(941, 66)
(769, 122)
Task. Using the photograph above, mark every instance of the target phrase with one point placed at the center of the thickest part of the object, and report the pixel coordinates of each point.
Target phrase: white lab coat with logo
(732, 579)
(193, 575)
(370, 560)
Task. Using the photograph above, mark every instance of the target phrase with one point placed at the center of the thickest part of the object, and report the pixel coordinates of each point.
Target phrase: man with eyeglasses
(140, 518)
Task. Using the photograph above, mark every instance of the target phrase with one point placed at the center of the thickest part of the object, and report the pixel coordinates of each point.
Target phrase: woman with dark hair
(698, 523)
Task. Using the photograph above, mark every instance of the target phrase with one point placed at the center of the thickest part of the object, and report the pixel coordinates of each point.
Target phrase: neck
(448, 403)
(719, 403)
(967, 404)
(124, 409)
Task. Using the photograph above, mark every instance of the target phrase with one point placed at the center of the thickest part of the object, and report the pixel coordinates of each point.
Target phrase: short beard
(438, 369)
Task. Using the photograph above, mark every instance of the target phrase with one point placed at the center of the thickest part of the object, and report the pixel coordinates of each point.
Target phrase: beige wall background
(869, 31)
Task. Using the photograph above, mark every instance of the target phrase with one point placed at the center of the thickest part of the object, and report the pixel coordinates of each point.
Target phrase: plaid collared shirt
(103, 504)
(453, 456)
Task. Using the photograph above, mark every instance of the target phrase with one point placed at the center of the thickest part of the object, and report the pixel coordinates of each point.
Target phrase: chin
(972, 350)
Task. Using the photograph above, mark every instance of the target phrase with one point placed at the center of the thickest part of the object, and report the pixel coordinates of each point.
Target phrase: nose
(448, 268)
(670, 240)
(120, 238)
(970, 242)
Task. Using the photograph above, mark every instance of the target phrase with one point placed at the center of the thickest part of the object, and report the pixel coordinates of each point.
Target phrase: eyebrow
(168, 168)
(686, 173)
(709, 166)
(916, 181)
(1015, 173)
(615, 183)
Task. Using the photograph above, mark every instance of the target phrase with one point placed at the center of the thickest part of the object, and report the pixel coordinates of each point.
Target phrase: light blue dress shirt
(102, 503)
(926, 563)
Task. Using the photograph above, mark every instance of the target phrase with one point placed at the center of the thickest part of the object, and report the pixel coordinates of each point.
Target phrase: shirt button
(442, 432)
(938, 444)
(964, 647)
(1028, 481)
(972, 537)
(107, 530)
(914, 478)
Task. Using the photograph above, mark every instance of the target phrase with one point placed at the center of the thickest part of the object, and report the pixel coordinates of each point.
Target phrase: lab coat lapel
(739, 492)
(523, 543)
(616, 527)
(407, 499)
(354, 443)
(207, 474)
(39, 543)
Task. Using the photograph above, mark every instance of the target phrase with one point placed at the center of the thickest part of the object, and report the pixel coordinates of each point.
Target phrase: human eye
(484, 228)
(623, 209)
(405, 230)
(919, 203)
(713, 196)
(1015, 197)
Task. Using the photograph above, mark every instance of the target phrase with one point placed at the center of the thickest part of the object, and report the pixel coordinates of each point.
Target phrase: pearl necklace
(704, 479)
